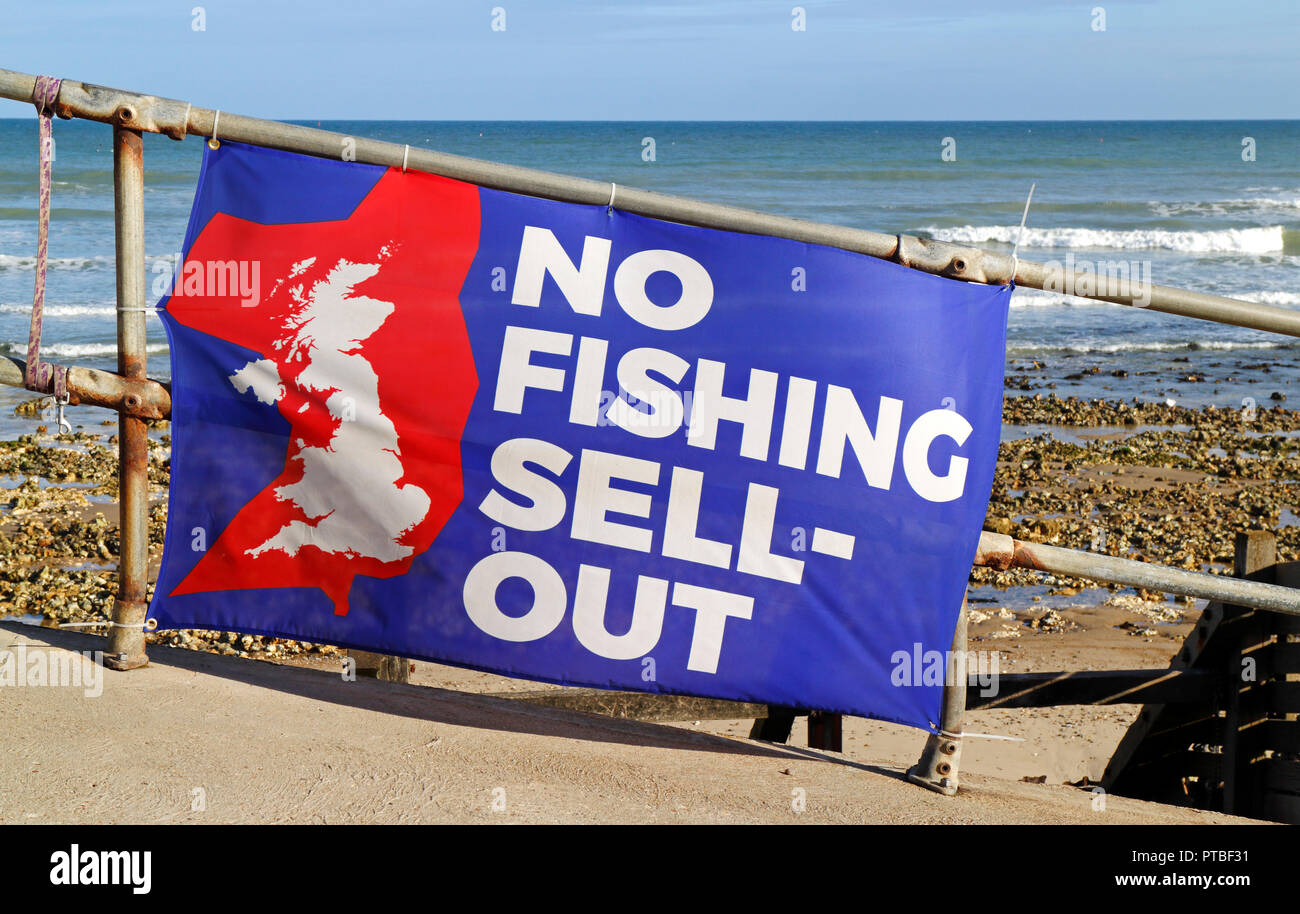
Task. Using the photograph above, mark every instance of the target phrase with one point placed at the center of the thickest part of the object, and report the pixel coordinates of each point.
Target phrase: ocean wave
(1029, 349)
(1238, 206)
(74, 350)
(1270, 298)
(1261, 240)
(28, 262)
(1035, 298)
(107, 311)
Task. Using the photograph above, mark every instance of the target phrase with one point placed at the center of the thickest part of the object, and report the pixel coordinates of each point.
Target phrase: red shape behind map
(425, 230)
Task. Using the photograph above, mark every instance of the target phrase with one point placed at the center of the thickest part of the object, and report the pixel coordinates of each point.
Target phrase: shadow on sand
(432, 704)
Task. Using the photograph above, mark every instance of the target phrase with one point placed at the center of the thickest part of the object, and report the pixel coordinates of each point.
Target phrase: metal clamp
(61, 402)
(939, 765)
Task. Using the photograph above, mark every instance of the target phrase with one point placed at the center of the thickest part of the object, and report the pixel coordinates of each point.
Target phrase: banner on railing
(566, 443)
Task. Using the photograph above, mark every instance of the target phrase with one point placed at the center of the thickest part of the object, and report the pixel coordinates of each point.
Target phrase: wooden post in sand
(1261, 745)
(825, 731)
(1254, 552)
(381, 666)
(1238, 751)
(1279, 797)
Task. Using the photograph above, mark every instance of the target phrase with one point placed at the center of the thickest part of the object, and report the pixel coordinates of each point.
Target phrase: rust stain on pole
(1000, 552)
(126, 648)
(143, 399)
(146, 399)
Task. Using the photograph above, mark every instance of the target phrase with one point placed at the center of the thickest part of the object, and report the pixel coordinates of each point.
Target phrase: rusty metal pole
(940, 761)
(997, 550)
(176, 119)
(126, 637)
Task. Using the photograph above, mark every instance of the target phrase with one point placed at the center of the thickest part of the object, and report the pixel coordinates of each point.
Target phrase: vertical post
(825, 731)
(1277, 787)
(381, 666)
(126, 649)
(940, 760)
(776, 726)
(1253, 552)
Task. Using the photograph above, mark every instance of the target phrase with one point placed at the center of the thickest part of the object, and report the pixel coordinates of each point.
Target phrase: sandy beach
(1158, 482)
(201, 738)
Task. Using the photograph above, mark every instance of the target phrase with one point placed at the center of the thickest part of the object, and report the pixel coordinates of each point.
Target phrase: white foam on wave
(1271, 298)
(28, 262)
(1238, 206)
(76, 350)
(106, 311)
(1261, 240)
(1035, 298)
(1034, 349)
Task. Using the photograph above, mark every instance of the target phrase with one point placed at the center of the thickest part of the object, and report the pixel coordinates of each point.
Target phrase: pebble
(1176, 496)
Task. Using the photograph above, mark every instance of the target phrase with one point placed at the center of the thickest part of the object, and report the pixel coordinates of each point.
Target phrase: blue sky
(713, 59)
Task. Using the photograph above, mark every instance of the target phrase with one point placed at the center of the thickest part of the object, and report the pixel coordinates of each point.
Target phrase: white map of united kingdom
(349, 490)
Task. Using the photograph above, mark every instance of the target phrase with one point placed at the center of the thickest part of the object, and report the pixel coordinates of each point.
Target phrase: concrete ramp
(202, 738)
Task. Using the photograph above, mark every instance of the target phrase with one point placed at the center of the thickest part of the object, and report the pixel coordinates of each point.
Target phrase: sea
(1212, 206)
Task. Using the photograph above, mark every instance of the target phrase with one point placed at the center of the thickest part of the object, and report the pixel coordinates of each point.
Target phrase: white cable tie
(185, 122)
(213, 142)
(1015, 248)
(613, 189)
(1014, 739)
(405, 152)
(147, 624)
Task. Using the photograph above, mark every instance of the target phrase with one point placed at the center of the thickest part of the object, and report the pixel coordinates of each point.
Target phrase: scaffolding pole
(137, 398)
(177, 119)
(126, 645)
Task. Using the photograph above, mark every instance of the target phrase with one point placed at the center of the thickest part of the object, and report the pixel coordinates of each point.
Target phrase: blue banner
(570, 444)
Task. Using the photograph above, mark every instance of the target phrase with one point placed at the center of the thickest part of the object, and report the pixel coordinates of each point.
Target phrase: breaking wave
(1035, 298)
(1192, 345)
(1262, 240)
(105, 311)
(74, 350)
(28, 262)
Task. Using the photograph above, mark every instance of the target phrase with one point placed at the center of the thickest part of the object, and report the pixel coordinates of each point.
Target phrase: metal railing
(137, 398)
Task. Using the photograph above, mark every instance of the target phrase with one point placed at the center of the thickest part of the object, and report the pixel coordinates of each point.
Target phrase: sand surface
(203, 738)
(291, 741)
